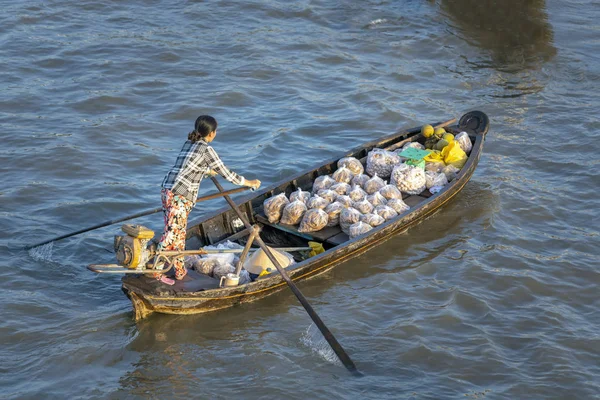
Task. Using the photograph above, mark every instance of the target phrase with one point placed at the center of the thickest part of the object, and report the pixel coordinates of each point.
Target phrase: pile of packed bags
(358, 198)
(217, 265)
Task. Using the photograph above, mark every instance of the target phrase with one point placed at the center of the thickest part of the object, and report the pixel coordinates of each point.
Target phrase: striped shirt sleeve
(215, 163)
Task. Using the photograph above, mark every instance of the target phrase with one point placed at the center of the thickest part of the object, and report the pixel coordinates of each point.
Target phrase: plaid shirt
(193, 163)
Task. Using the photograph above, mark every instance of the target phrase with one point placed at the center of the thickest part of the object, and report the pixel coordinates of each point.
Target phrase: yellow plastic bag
(454, 155)
(434, 156)
(317, 248)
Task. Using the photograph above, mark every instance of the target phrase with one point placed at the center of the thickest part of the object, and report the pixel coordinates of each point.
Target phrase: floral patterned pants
(176, 209)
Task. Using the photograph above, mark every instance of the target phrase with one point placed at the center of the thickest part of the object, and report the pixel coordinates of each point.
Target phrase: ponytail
(194, 136)
(205, 124)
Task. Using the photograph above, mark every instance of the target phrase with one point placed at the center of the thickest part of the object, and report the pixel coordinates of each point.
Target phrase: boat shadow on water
(516, 33)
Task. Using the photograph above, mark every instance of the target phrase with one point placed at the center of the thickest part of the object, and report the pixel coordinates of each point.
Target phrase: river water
(496, 296)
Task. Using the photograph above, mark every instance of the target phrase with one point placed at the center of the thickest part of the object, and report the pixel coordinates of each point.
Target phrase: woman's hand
(254, 183)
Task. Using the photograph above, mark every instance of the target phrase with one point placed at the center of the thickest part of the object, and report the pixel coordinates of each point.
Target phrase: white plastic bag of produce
(222, 270)
(435, 179)
(341, 188)
(207, 263)
(390, 192)
(409, 179)
(464, 141)
(363, 206)
(314, 220)
(376, 199)
(316, 202)
(386, 212)
(273, 207)
(327, 194)
(346, 201)
(380, 162)
(360, 180)
(358, 229)
(224, 257)
(413, 145)
(293, 213)
(348, 216)
(343, 175)
(357, 194)
(450, 171)
(433, 166)
(374, 184)
(398, 205)
(300, 195)
(353, 164)
(322, 182)
(202, 265)
(372, 219)
(333, 213)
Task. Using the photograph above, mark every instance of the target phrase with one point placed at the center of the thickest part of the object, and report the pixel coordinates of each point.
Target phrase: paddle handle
(253, 233)
(445, 124)
(103, 224)
(335, 345)
(137, 215)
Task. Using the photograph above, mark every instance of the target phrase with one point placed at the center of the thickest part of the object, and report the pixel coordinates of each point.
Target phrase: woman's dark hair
(205, 124)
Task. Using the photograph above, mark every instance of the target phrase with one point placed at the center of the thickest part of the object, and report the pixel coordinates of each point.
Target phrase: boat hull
(148, 296)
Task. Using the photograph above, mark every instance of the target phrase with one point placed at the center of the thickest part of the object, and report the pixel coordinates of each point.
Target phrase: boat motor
(132, 249)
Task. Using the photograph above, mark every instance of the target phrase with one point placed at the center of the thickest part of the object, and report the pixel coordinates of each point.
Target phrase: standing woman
(180, 187)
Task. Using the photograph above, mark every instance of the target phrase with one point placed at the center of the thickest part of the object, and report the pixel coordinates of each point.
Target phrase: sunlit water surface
(496, 296)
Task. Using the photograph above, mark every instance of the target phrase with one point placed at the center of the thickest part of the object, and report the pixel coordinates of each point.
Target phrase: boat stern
(141, 308)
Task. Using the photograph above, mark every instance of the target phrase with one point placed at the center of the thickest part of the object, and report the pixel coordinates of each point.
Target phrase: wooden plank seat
(413, 201)
(338, 239)
(322, 236)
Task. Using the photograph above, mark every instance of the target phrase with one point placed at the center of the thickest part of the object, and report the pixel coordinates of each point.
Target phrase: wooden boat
(199, 293)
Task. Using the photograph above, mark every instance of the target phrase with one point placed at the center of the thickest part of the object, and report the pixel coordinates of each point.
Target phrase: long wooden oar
(140, 214)
(337, 348)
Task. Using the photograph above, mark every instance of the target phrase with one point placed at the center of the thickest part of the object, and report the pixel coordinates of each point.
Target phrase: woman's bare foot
(166, 280)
